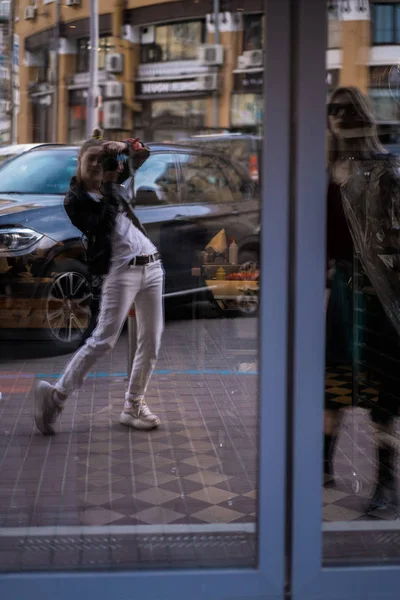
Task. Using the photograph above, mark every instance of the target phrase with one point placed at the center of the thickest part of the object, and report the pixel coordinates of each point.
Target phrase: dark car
(183, 196)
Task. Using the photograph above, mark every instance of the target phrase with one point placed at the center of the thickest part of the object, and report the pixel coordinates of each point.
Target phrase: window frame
(84, 57)
(267, 580)
(146, 48)
(249, 17)
(311, 578)
(395, 26)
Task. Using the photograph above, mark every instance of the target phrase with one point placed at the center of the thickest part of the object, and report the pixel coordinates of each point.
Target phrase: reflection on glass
(360, 493)
(149, 458)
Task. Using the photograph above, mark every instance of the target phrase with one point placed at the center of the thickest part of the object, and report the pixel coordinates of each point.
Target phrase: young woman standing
(118, 248)
(364, 210)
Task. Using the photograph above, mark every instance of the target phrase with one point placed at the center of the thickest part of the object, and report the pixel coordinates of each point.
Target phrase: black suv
(184, 196)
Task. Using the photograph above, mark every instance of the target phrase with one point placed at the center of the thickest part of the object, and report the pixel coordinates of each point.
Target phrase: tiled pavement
(199, 468)
(143, 493)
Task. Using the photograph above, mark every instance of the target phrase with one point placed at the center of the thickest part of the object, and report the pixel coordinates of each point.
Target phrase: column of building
(356, 43)
(230, 28)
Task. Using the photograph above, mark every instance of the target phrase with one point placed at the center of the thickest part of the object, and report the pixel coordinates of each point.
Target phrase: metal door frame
(267, 580)
(309, 579)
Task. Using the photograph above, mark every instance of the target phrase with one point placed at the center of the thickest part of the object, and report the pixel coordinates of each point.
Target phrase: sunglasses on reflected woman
(335, 109)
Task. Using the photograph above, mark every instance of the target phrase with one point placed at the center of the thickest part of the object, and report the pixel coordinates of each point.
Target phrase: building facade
(5, 71)
(159, 69)
(363, 50)
(161, 74)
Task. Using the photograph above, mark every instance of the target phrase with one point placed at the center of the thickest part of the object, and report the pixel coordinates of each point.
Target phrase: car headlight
(16, 241)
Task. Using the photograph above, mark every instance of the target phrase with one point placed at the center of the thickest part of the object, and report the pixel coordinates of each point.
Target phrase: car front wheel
(70, 314)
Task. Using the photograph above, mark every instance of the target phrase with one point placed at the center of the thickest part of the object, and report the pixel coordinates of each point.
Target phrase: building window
(247, 110)
(83, 58)
(77, 111)
(42, 111)
(46, 68)
(386, 23)
(253, 32)
(177, 41)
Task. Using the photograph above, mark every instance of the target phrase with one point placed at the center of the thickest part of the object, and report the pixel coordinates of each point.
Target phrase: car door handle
(235, 212)
(179, 217)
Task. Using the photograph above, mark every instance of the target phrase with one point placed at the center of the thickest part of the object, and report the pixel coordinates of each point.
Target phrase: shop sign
(154, 88)
(83, 79)
(249, 82)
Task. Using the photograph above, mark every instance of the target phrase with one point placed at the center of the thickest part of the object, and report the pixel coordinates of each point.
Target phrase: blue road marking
(124, 373)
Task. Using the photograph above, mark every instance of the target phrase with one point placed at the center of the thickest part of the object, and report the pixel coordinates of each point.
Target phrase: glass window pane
(153, 464)
(253, 28)
(383, 25)
(179, 41)
(360, 460)
(397, 23)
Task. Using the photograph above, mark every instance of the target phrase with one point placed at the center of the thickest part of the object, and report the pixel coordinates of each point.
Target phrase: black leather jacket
(371, 203)
(96, 220)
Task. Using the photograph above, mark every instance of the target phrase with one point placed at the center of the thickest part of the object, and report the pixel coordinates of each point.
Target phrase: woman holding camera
(118, 248)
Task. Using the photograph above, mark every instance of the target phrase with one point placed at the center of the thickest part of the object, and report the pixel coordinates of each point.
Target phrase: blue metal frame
(267, 580)
(309, 579)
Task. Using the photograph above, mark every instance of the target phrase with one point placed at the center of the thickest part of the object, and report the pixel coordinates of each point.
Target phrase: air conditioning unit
(30, 12)
(148, 35)
(73, 2)
(211, 54)
(114, 63)
(112, 114)
(243, 62)
(131, 34)
(208, 82)
(255, 58)
(114, 89)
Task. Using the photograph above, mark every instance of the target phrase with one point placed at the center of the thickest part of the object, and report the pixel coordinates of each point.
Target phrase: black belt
(144, 260)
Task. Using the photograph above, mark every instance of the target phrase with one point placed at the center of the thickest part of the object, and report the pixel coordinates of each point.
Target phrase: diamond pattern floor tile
(217, 514)
(213, 495)
(98, 498)
(156, 495)
(99, 516)
(156, 478)
(158, 514)
(203, 461)
(207, 477)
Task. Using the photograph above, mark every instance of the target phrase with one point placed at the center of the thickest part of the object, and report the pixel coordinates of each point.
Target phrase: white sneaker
(139, 416)
(46, 410)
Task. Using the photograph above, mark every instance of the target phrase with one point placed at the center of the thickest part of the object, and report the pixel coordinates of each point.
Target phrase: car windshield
(39, 172)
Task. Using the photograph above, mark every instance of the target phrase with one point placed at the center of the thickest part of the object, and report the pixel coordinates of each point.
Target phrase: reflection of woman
(359, 171)
(118, 248)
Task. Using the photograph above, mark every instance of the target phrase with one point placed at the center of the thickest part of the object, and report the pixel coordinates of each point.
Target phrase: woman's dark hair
(365, 140)
(95, 141)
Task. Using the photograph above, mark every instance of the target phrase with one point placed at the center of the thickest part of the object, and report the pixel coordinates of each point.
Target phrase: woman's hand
(114, 147)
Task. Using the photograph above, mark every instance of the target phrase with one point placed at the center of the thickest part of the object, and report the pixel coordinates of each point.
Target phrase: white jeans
(144, 286)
